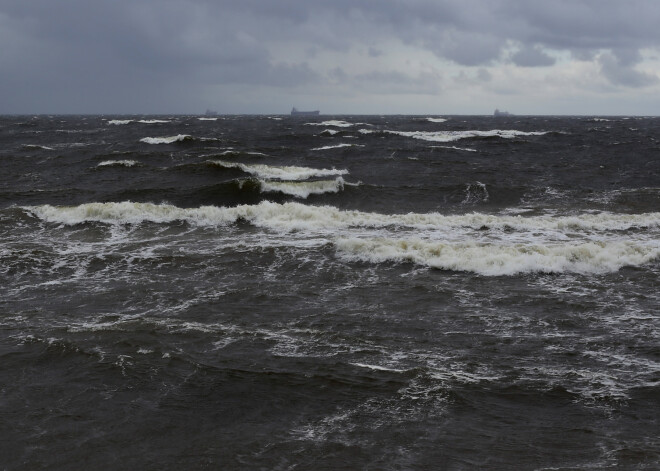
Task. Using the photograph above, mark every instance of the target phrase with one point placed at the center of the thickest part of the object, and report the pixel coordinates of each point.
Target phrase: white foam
(296, 216)
(124, 163)
(166, 140)
(466, 149)
(337, 146)
(153, 121)
(207, 119)
(451, 136)
(330, 132)
(281, 173)
(333, 122)
(485, 244)
(120, 121)
(34, 146)
(494, 259)
(304, 189)
(378, 368)
(236, 152)
(436, 120)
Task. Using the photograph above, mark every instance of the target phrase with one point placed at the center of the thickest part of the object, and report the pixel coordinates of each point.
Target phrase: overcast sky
(340, 56)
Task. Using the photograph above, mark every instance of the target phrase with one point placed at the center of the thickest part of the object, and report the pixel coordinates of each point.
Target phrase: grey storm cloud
(88, 55)
(532, 57)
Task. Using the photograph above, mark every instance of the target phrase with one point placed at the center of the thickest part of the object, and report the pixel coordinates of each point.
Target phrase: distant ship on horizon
(499, 113)
(295, 112)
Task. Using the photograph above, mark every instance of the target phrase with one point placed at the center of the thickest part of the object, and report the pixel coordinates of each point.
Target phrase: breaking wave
(451, 136)
(241, 152)
(295, 216)
(167, 140)
(497, 260)
(332, 122)
(337, 146)
(119, 163)
(281, 173)
(304, 189)
(436, 120)
(35, 146)
(466, 149)
(485, 244)
(143, 121)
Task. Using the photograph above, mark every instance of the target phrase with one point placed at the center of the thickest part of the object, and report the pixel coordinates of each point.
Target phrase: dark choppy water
(348, 293)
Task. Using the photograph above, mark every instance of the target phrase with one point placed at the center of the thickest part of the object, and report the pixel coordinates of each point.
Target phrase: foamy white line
(450, 136)
(125, 163)
(165, 140)
(234, 152)
(378, 368)
(153, 121)
(333, 122)
(436, 120)
(34, 146)
(466, 149)
(496, 260)
(207, 119)
(296, 216)
(120, 121)
(282, 173)
(337, 146)
(304, 189)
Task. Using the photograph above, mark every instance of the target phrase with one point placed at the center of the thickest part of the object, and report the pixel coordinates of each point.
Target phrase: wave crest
(497, 260)
(119, 163)
(451, 136)
(304, 189)
(167, 140)
(281, 173)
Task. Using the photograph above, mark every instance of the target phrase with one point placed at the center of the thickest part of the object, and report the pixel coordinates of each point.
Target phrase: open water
(351, 292)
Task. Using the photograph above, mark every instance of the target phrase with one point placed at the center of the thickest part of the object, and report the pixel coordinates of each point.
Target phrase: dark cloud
(153, 55)
(532, 57)
(621, 72)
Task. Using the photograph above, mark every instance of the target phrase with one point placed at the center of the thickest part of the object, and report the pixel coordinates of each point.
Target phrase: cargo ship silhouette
(295, 112)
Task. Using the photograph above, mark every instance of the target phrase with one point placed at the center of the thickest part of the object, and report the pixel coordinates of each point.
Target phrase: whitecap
(282, 173)
(379, 368)
(466, 149)
(166, 140)
(207, 119)
(295, 216)
(337, 146)
(450, 136)
(501, 259)
(34, 146)
(236, 152)
(333, 122)
(122, 163)
(436, 120)
(304, 189)
(153, 121)
(117, 122)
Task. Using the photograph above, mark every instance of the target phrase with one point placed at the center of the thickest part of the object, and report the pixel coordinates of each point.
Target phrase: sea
(329, 293)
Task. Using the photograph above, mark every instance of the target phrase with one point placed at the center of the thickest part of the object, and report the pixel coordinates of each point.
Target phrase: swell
(491, 259)
(300, 215)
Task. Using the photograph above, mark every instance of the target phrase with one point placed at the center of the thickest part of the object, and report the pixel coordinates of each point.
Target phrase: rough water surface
(350, 292)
